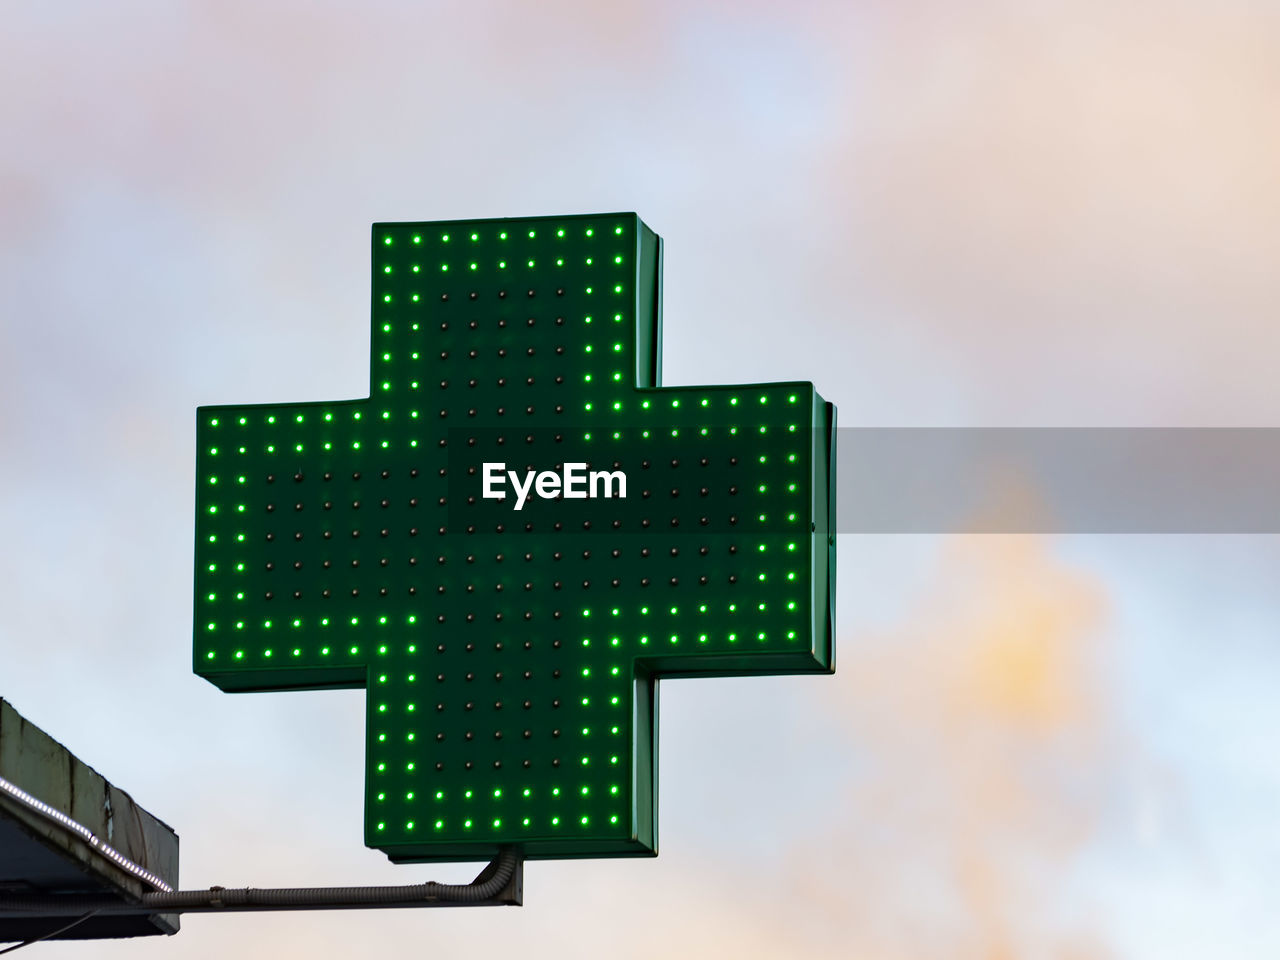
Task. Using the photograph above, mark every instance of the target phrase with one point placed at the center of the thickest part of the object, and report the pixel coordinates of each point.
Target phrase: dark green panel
(510, 656)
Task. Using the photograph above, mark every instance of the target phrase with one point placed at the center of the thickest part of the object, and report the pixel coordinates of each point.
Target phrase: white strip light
(84, 833)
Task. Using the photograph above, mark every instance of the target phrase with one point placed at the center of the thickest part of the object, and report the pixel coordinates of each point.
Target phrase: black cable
(48, 936)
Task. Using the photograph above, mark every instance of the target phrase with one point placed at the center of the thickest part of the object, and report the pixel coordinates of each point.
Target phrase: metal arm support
(501, 883)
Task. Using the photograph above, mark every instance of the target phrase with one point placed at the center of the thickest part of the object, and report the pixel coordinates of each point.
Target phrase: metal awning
(65, 830)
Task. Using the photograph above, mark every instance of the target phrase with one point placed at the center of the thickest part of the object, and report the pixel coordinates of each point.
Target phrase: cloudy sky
(981, 214)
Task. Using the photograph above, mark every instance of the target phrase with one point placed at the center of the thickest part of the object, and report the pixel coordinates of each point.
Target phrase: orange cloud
(984, 751)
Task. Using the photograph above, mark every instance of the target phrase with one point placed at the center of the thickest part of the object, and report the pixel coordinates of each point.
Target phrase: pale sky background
(980, 214)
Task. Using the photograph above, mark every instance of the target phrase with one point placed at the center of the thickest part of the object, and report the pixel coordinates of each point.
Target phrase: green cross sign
(513, 537)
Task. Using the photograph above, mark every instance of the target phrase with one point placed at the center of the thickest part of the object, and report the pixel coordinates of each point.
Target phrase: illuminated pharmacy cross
(511, 658)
